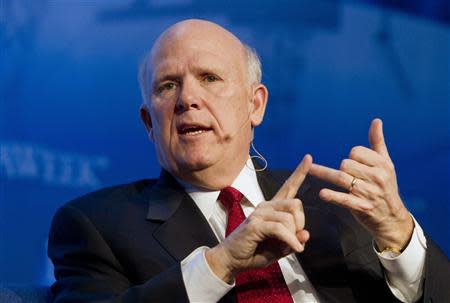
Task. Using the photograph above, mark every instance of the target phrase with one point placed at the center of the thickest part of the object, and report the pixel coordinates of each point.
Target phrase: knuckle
(263, 204)
(381, 178)
(368, 207)
(371, 193)
(378, 179)
(292, 205)
(297, 205)
(343, 165)
(252, 221)
(371, 174)
(354, 152)
(347, 201)
(290, 221)
(256, 213)
(342, 177)
(390, 165)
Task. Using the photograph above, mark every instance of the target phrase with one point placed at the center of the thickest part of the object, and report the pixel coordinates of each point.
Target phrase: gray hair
(254, 72)
(143, 76)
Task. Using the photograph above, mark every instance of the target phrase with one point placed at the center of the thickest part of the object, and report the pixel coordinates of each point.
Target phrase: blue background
(69, 120)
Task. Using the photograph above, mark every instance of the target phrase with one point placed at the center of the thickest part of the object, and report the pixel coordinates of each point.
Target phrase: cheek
(226, 90)
(162, 116)
(232, 98)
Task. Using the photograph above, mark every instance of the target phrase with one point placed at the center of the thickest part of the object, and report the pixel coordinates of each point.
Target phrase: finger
(366, 156)
(279, 231)
(270, 215)
(334, 176)
(303, 236)
(364, 189)
(356, 169)
(345, 200)
(293, 183)
(369, 176)
(376, 138)
(293, 207)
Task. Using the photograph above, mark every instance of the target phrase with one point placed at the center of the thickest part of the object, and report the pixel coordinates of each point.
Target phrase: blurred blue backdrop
(69, 119)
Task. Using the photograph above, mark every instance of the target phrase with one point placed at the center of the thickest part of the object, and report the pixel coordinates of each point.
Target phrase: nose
(189, 97)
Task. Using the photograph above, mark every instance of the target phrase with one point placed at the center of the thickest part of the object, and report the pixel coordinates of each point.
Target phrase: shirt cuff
(405, 272)
(201, 284)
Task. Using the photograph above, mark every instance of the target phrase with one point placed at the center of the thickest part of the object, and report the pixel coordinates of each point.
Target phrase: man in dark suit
(215, 226)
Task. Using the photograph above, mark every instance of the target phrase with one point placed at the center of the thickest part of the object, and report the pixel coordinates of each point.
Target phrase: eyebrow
(198, 70)
(163, 78)
(210, 69)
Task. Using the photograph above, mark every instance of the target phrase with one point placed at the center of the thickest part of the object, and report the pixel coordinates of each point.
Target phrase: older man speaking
(215, 226)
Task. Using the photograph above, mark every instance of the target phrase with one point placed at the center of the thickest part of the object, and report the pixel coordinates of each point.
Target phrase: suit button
(430, 300)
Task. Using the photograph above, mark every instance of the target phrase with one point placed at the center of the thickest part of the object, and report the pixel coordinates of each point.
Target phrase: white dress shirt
(404, 274)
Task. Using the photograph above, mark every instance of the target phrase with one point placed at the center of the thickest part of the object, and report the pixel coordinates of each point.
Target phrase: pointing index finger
(295, 180)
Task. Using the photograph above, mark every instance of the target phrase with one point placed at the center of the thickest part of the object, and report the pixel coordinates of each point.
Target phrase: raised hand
(369, 176)
(280, 220)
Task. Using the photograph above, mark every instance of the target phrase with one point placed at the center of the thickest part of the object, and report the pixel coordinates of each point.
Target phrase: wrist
(217, 260)
(397, 238)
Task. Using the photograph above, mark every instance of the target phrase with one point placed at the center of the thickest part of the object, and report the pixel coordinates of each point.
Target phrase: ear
(257, 110)
(147, 120)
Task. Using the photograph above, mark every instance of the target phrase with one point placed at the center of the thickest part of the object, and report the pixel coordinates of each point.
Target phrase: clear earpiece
(258, 156)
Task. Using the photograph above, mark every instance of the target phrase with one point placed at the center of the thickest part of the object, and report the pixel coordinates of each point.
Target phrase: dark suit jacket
(125, 244)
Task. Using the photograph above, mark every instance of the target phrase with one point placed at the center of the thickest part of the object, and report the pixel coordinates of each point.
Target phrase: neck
(217, 176)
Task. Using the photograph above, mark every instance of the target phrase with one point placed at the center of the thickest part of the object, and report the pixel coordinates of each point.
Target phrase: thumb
(376, 138)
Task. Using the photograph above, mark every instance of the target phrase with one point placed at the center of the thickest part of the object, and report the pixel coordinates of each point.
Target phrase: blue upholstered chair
(24, 294)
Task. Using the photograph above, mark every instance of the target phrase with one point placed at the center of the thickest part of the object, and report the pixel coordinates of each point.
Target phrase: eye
(167, 86)
(210, 78)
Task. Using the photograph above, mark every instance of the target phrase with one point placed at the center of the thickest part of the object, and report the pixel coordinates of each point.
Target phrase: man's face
(201, 103)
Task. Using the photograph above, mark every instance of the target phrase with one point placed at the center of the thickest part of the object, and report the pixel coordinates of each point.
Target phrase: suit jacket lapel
(183, 226)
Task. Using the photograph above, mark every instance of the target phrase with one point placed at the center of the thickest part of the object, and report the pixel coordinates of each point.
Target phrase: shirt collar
(246, 182)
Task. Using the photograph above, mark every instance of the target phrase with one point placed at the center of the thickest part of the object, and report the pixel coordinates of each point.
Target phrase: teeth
(196, 132)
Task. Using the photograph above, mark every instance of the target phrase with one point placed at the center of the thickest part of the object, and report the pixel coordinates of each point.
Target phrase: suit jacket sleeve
(437, 275)
(87, 270)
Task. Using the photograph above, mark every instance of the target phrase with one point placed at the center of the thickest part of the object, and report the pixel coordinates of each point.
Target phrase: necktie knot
(230, 197)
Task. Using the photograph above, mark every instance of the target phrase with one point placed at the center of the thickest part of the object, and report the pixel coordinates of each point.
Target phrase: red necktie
(254, 285)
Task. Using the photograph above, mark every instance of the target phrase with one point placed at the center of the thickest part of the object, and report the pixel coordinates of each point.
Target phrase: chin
(189, 161)
(195, 164)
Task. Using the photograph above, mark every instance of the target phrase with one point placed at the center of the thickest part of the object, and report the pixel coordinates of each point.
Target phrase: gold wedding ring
(352, 184)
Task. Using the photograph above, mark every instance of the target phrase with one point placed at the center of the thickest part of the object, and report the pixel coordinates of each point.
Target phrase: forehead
(199, 48)
(193, 56)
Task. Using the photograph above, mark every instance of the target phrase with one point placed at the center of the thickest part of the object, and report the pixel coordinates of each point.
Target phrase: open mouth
(192, 130)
